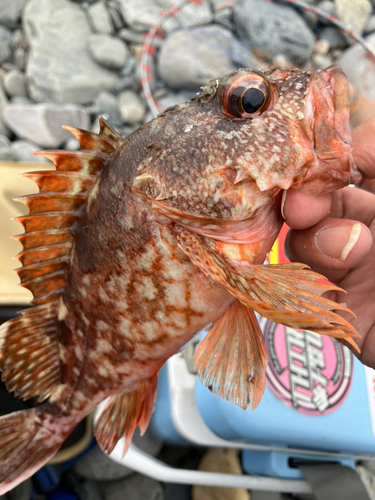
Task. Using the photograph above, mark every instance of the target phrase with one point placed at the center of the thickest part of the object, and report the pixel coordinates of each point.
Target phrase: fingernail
(338, 241)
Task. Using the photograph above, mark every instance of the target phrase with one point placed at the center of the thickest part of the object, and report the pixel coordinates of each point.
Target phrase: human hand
(334, 235)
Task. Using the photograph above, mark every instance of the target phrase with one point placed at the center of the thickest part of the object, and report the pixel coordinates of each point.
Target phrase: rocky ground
(65, 61)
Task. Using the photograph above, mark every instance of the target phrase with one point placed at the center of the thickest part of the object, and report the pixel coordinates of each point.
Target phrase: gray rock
(191, 57)
(354, 13)
(106, 103)
(274, 29)
(10, 12)
(20, 99)
(359, 69)
(4, 130)
(108, 51)
(136, 487)
(114, 11)
(132, 107)
(141, 14)
(41, 123)
(328, 6)
(370, 26)
(130, 35)
(24, 151)
(15, 84)
(335, 39)
(5, 149)
(5, 44)
(59, 67)
(225, 18)
(100, 18)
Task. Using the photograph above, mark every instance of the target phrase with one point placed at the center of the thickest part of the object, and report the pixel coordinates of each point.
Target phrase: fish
(134, 244)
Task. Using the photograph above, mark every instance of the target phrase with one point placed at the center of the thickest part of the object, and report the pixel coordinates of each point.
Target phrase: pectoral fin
(287, 293)
(124, 413)
(231, 359)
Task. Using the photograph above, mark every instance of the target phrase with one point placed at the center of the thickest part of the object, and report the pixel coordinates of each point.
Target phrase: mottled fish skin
(136, 292)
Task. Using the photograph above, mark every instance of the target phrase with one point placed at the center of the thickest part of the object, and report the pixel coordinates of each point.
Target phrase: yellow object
(12, 186)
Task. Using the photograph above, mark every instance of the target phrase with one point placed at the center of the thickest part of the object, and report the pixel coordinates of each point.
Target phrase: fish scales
(136, 243)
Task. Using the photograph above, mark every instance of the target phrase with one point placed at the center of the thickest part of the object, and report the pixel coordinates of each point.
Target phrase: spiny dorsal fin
(29, 347)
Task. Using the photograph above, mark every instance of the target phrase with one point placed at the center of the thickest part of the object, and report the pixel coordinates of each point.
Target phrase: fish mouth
(333, 143)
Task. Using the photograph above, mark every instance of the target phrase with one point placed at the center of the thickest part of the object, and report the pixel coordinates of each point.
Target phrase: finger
(332, 247)
(364, 148)
(302, 210)
(353, 203)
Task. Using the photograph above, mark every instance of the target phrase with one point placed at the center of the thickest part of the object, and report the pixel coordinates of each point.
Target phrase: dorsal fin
(29, 348)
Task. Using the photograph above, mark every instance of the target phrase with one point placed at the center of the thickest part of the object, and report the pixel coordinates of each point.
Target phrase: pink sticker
(309, 372)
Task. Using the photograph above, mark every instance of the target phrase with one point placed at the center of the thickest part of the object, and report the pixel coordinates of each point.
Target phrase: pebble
(10, 12)
(130, 35)
(359, 69)
(132, 107)
(224, 461)
(265, 25)
(370, 26)
(15, 84)
(114, 11)
(141, 14)
(135, 487)
(354, 13)
(108, 51)
(189, 58)
(100, 18)
(225, 18)
(5, 44)
(107, 103)
(335, 39)
(59, 68)
(41, 123)
(24, 151)
(5, 149)
(329, 7)
(4, 130)
(321, 61)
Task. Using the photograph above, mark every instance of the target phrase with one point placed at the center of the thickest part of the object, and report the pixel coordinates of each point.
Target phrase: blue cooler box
(319, 404)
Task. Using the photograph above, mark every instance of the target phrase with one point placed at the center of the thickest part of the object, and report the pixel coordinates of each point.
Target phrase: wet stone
(108, 51)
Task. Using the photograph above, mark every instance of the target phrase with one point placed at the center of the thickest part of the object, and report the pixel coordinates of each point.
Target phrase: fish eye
(252, 100)
(245, 94)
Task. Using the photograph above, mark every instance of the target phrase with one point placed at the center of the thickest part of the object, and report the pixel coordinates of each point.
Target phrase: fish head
(224, 154)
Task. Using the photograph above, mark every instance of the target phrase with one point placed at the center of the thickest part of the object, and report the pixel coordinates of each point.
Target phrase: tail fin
(25, 446)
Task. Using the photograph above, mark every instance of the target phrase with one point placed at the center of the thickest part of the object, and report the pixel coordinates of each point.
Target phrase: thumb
(331, 245)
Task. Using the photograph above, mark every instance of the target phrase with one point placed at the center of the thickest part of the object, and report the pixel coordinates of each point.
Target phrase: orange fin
(124, 413)
(25, 446)
(29, 346)
(231, 360)
(30, 359)
(285, 293)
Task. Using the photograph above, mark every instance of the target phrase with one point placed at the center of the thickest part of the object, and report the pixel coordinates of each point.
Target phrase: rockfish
(134, 244)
